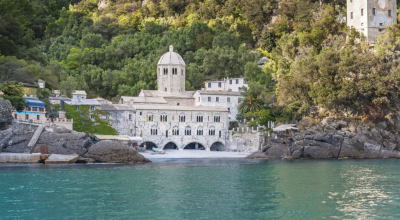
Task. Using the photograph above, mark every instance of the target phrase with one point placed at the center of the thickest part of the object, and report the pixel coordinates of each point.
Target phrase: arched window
(174, 71)
(200, 131)
(175, 130)
(149, 117)
(163, 117)
(199, 118)
(211, 131)
(182, 117)
(188, 131)
(217, 118)
(153, 130)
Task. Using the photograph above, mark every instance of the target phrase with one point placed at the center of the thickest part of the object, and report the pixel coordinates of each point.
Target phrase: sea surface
(203, 189)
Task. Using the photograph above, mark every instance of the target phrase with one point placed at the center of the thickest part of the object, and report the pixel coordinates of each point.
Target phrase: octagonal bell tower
(171, 71)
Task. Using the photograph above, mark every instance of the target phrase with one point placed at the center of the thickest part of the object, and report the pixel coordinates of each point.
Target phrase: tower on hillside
(371, 17)
(171, 72)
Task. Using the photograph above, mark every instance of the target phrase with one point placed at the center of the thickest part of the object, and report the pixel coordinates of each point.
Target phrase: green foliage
(17, 102)
(233, 124)
(83, 123)
(250, 104)
(68, 86)
(12, 88)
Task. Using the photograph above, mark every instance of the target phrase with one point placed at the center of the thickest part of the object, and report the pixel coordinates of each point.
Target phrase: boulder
(64, 143)
(5, 113)
(114, 152)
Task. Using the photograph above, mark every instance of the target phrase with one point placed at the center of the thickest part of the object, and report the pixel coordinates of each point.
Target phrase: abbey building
(172, 117)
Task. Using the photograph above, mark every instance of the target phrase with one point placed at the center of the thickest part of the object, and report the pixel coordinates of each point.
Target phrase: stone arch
(149, 145)
(170, 145)
(217, 146)
(192, 146)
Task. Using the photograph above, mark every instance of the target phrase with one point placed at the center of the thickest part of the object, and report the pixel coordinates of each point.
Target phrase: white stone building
(226, 99)
(371, 17)
(168, 118)
(229, 84)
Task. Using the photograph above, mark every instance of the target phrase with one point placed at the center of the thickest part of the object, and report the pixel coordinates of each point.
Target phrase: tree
(68, 86)
(13, 91)
(250, 104)
(12, 88)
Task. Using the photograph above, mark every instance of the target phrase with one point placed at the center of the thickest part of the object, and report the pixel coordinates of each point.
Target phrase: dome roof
(171, 58)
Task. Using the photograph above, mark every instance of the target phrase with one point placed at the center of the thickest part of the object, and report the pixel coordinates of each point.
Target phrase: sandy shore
(195, 154)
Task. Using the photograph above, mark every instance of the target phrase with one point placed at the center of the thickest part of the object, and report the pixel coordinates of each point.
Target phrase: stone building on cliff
(371, 17)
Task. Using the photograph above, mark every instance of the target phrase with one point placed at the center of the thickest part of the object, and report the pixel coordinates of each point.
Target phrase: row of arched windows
(188, 131)
(174, 71)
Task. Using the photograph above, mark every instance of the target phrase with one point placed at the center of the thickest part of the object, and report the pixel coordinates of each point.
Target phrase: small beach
(196, 154)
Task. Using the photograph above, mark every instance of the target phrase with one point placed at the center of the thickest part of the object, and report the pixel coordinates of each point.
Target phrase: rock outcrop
(5, 113)
(338, 139)
(114, 152)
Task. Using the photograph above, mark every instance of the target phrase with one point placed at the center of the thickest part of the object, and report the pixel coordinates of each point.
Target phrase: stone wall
(245, 141)
(120, 121)
(180, 101)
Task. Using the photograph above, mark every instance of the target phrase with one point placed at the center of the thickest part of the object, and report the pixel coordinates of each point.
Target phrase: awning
(35, 103)
(285, 127)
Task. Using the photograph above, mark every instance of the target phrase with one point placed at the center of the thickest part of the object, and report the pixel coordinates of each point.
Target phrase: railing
(59, 120)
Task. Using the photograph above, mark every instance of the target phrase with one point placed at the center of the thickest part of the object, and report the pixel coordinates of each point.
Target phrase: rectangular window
(380, 24)
(228, 99)
(220, 133)
(34, 109)
(130, 117)
(230, 90)
(92, 117)
(351, 15)
(41, 109)
(27, 109)
(244, 81)
(362, 12)
(140, 113)
(237, 81)
(219, 84)
(198, 99)
(230, 81)
(209, 85)
(209, 99)
(77, 108)
(131, 131)
(27, 117)
(217, 118)
(229, 110)
(390, 13)
(92, 108)
(38, 117)
(15, 116)
(373, 11)
(217, 99)
(240, 89)
(107, 116)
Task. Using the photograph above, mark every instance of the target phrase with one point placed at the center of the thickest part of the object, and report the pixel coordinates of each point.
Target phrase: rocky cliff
(60, 140)
(339, 139)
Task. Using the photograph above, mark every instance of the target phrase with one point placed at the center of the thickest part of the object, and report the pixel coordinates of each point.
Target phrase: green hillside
(111, 49)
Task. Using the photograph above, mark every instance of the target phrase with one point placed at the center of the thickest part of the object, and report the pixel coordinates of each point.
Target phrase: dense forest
(111, 48)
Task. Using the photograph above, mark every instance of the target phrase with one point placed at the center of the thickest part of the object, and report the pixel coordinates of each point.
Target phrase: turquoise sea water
(204, 189)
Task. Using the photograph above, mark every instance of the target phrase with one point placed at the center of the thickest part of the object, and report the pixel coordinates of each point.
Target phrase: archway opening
(149, 145)
(217, 146)
(170, 146)
(194, 146)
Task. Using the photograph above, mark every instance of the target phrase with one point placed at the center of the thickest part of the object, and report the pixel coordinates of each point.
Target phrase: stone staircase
(34, 139)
